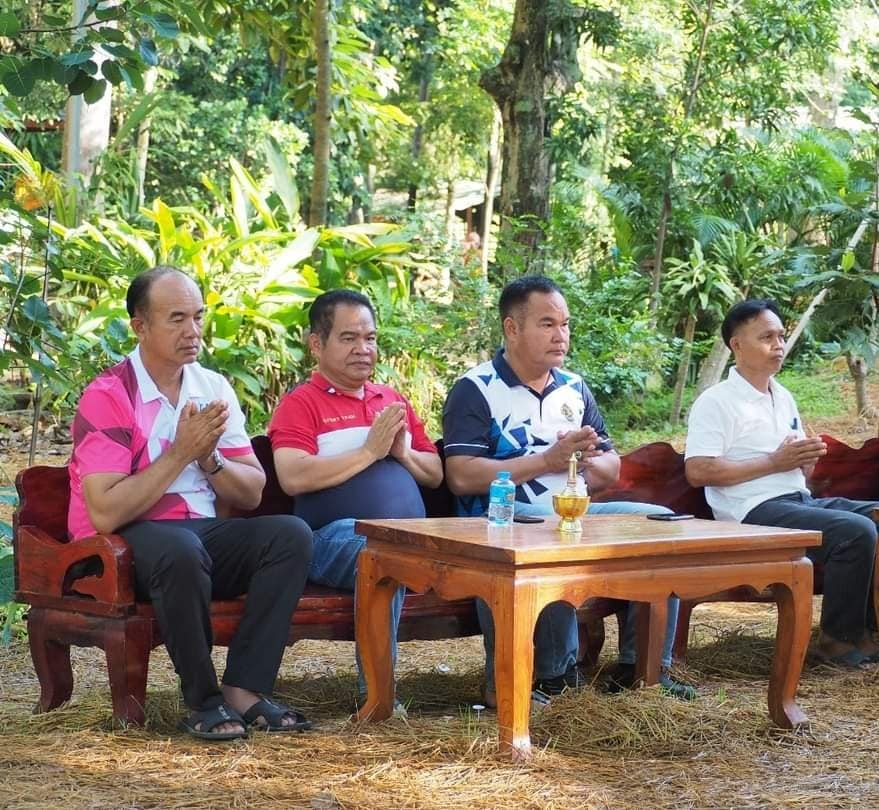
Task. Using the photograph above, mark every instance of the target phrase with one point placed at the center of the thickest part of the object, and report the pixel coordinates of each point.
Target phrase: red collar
(370, 389)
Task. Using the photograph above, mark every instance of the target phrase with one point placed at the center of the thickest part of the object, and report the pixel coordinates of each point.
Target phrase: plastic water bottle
(501, 500)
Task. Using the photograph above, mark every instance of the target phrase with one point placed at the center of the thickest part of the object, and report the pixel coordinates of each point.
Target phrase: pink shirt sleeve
(104, 433)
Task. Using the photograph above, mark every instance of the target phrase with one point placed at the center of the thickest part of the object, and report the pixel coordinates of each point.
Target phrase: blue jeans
(556, 643)
(334, 564)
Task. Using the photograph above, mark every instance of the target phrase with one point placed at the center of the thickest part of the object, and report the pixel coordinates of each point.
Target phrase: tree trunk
(803, 322)
(491, 173)
(143, 136)
(86, 126)
(857, 367)
(417, 136)
(683, 369)
(370, 191)
(659, 245)
(712, 367)
(450, 210)
(320, 183)
(519, 85)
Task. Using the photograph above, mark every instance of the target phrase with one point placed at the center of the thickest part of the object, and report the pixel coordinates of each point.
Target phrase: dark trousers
(180, 565)
(847, 553)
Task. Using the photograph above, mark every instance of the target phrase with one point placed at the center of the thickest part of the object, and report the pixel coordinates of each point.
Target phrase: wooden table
(520, 569)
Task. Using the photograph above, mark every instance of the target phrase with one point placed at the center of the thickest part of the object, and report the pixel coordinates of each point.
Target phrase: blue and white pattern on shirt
(491, 413)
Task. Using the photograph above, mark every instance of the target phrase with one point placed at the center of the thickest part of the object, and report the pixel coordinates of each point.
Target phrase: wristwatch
(219, 463)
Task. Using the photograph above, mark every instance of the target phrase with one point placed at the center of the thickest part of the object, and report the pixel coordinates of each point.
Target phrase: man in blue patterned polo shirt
(521, 412)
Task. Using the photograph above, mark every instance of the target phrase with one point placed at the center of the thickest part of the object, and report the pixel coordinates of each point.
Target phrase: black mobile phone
(665, 516)
(527, 519)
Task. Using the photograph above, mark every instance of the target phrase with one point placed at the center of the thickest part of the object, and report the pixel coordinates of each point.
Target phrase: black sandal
(209, 719)
(266, 715)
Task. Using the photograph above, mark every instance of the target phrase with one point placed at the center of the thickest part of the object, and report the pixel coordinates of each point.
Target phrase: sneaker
(400, 712)
(538, 699)
(622, 676)
(572, 678)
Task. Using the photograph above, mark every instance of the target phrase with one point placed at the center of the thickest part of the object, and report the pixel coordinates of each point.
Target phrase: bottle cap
(503, 475)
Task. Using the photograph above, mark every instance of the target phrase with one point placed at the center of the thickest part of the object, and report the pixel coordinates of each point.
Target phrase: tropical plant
(256, 264)
(697, 287)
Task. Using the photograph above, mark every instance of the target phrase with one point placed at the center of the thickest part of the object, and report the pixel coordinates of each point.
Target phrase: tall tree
(320, 184)
(538, 64)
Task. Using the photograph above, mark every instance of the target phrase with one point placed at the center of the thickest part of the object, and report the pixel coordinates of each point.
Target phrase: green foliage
(612, 343)
(191, 138)
(818, 390)
(257, 272)
(698, 286)
(428, 344)
(10, 612)
(114, 44)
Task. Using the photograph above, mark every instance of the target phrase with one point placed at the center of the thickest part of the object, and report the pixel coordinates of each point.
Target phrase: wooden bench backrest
(654, 473)
(44, 496)
(847, 472)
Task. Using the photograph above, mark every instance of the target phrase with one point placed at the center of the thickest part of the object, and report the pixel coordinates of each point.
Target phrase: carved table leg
(372, 613)
(515, 610)
(791, 639)
(127, 644)
(51, 662)
(651, 619)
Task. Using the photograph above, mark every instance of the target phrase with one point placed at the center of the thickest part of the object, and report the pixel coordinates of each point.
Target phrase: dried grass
(593, 751)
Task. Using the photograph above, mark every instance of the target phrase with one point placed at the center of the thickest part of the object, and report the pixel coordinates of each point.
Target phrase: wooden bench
(82, 594)
(654, 473)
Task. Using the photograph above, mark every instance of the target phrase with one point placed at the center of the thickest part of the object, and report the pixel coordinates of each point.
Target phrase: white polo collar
(190, 388)
(747, 391)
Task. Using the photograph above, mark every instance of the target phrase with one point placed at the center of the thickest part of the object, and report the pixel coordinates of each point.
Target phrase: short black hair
(746, 311)
(323, 310)
(516, 293)
(137, 299)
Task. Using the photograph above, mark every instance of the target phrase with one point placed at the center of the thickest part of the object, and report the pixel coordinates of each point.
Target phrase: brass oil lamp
(569, 504)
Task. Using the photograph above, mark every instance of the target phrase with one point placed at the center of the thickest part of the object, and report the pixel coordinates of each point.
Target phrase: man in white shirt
(746, 445)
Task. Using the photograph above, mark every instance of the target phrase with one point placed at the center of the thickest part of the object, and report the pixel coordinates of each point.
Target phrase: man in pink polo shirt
(346, 447)
(157, 441)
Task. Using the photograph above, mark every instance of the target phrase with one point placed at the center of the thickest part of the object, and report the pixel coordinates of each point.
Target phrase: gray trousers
(847, 554)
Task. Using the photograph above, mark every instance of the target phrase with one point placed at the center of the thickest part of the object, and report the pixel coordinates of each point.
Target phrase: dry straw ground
(638, 750)
(631, 751)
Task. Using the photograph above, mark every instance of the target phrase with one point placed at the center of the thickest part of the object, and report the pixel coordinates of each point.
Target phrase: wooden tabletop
(604, 537)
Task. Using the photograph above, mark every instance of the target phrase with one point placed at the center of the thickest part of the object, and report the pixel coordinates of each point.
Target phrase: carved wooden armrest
(98, 568)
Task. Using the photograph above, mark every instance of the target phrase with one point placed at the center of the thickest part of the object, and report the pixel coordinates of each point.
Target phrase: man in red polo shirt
(347, 448)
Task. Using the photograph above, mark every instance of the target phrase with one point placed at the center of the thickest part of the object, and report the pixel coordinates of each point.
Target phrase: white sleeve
(707, 431)
(235, 436)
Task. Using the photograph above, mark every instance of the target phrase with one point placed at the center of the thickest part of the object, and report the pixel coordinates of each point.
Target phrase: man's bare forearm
(300, 472)
(472, 475)
(240, 483)
(113, 500)
(706, 471)
(425, 467)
